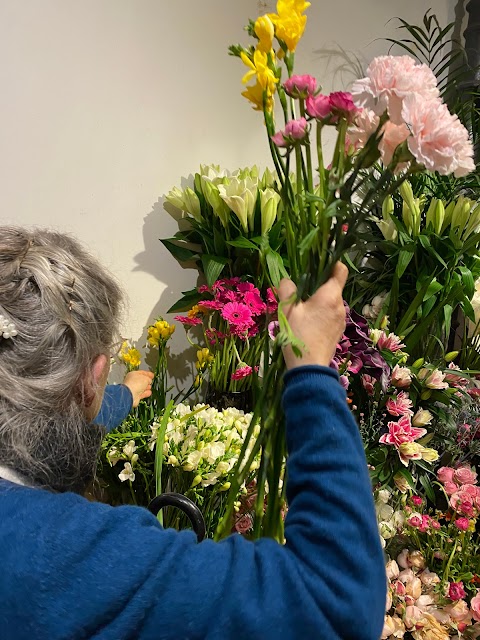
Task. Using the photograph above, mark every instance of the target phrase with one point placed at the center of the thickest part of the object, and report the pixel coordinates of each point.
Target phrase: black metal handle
(183, 503)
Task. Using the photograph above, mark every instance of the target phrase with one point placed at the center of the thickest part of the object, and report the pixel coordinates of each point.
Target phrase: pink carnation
(439, 140)
(295, 131)
(237, 314)
(400, 405)
(185, 320)
(456, 591)
(365, 124)
(300, 86)
(401, 432)
(390, 80)
(392, 136)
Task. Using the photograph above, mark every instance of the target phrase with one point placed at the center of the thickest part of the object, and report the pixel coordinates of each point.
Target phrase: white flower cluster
(205, 441)
(7, 328)
(128, 453)
(389, 520)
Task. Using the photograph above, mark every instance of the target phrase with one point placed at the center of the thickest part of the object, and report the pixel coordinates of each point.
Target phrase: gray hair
(65, 307)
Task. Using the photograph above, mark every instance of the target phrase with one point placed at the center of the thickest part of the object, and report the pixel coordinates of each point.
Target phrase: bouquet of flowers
(199, 447)
(392, 125)
(433, 583)
(224, 222)
(234, 317)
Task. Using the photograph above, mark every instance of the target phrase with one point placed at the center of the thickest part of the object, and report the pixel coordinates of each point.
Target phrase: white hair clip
(7, 328)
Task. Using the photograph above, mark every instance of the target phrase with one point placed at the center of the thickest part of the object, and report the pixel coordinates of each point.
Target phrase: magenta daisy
(237, 314)
(216, 305)
(188, 321)
(253, 300)
(244, 287)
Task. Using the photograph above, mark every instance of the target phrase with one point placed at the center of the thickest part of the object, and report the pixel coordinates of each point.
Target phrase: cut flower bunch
(392, 125)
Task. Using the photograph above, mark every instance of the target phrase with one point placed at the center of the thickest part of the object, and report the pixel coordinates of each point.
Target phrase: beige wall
(106, 104)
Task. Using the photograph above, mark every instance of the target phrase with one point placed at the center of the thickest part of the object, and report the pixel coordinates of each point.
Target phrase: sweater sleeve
(116, 405)
(117, 571)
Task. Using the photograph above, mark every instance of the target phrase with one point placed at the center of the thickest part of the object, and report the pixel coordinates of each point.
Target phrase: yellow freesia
(254, 94)
(289, 22)
(159, 331)
(265, 33)
(259, 67)
(204, 359)
(130, 356)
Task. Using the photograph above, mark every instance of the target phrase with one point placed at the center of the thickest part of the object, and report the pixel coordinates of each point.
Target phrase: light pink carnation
(390, 79)
(439, 140)
(365, 124)
(393, 136)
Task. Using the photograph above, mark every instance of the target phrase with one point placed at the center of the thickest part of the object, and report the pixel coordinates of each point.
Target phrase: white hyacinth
(7, 328)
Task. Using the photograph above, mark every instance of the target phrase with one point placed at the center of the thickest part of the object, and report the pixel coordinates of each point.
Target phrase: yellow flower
(254, 94)
(130, 356)
(289, 22)
(204, 358)
(159, 331)
(194, 311)
(265, 33)
(259, 67)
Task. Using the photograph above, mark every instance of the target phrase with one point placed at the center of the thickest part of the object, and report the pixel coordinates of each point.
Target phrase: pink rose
(456, 591)
(295, 131)
(417, 501)
(439, 140)
(462, 524)
(450, 488)
(475, 606)
(392, 570)
(465, 475)
(459, 611)
(402, 560)
(445, 474)
(401, 377)
(300, 86)
(415, 521)
(389, 80)
(318, 107)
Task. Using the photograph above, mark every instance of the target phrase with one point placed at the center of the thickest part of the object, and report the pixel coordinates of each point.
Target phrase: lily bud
(448, 215)
(192, 203)
(212, 196)
(269, 200)
(175, 197)
(435, 215)
(196, 481)
(418, 363)
(388, 207)
(450, 357)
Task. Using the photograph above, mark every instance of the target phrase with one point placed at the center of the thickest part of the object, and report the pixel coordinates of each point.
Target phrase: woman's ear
(95, 385)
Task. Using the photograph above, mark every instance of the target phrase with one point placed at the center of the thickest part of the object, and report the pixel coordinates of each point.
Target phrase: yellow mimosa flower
(265, 32)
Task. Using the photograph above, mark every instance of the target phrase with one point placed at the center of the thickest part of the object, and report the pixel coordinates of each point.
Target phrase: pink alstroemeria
(295, 131)
(401, 405)
(401, 432)
(300, 86)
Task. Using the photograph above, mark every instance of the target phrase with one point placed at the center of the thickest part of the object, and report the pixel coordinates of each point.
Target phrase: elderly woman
(72, 569)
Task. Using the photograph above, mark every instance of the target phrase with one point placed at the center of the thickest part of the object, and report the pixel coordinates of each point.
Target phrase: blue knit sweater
(71, 569)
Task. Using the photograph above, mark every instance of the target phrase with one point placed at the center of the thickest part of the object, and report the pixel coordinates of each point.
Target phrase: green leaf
(404, 258)
(159, 452)
(242, 243)
(307, 242)
(433, 288)
(447, 315)
(186, 302)
(467, 281)
(427, 485)
(182, 254)
(213, 267)
(275, 267)
(468, 310)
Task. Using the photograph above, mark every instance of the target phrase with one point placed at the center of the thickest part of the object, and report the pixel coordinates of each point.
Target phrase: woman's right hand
(319, 322)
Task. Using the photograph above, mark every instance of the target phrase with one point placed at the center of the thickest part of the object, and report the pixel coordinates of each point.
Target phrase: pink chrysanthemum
(188, 321)
(237, 314)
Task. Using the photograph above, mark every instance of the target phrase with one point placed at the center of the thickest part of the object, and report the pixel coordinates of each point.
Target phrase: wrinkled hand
(140, 384)
(319, 322)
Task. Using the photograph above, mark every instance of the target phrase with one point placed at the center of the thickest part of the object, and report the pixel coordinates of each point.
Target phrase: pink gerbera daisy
(216, 305)
(243, 372)
(237, 314)
(188, 321)
(253, 300)
(244, 287)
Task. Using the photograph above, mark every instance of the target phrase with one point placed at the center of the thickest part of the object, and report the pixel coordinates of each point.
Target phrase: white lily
(240, 196)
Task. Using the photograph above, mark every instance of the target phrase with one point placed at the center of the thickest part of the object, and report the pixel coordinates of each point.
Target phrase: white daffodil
(127, 473)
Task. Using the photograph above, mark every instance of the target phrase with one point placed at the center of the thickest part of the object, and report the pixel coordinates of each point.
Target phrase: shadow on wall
(344, 66)
(156, 260)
